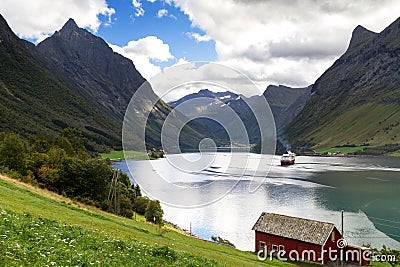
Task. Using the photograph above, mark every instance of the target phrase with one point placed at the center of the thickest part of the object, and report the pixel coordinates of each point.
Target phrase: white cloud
(137, 5)
(151, 1)
(162, 13)
(40, 18)
(285, 41)
(182, 79)
(143, 51)
(198, 37)
(151, 47)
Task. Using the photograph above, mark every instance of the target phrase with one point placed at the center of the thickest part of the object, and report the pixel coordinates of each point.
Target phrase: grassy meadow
(344, 150)
(119, 155)
(39, 228)
(375, 124)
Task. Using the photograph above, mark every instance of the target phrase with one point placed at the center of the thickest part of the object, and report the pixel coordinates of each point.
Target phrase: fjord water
(366, 188)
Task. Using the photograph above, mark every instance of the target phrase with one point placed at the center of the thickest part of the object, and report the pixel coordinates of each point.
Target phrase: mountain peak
(205, 92)
(395, 24)
(392, 31)
(69, 27)
(359, 35)
(5, 31)
(2, 21)
(70, 24)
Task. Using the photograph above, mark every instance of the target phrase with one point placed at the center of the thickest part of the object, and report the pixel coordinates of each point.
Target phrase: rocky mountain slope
(88, 66)
(33, 101)
(357, 100)
(211, 106)
(286, 102)
(74, 79)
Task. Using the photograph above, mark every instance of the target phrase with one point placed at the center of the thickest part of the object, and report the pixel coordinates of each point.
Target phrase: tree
(40, 143)
(72, 181)
(48, 176)
(97, 179)
(138, 191)
(141, 204)
(13, 153)
(72, 141)
(126, 207)
(154, 212)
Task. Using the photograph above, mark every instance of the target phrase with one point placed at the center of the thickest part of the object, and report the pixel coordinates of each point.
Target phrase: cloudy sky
(290, 42)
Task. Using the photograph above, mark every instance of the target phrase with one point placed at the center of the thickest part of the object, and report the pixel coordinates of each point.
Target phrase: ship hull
(287, 162)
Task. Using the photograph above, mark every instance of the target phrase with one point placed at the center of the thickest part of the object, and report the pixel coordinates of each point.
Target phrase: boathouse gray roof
(305, 230)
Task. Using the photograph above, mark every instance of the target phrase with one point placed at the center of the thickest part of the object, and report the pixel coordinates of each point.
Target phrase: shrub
(141, 204)
(154, 212)
(164, 252)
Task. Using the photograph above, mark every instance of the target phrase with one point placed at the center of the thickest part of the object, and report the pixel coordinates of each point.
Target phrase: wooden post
(119, 195)
(115, 194)
(342, 224)
(111, 192)
(342, 249)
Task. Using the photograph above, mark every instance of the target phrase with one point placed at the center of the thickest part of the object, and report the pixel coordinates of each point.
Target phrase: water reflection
(315, 188)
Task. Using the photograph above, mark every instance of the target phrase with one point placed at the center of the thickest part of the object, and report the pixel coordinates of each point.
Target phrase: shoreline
(114, 160)
(119, 155)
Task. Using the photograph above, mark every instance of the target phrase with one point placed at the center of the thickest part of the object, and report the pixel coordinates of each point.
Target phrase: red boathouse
(301, 239)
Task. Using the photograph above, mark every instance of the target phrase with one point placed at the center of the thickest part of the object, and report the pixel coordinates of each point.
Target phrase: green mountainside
(357, 100)
(74, 79)
(34, 102)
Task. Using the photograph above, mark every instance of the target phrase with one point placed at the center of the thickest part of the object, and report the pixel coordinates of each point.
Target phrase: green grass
(376, 124)
(396, 154)
(97, 235)
(28, 240)
(381, 264)
(344, 150)
(119, 155)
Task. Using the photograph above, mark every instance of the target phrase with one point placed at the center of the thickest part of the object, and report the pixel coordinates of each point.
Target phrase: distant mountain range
(285, 104)
(357, 100)
(74, 79)
(211, 106)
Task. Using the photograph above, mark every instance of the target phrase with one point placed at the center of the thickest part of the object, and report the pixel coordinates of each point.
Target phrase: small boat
(288, 159)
